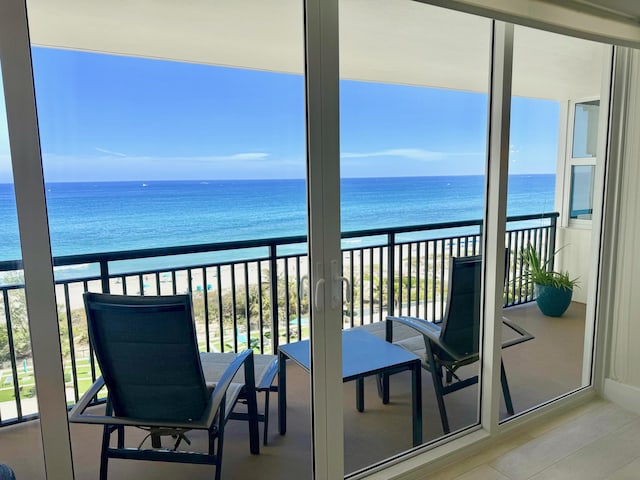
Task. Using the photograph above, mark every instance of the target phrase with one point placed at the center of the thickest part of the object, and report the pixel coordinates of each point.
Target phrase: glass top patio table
(363, 355)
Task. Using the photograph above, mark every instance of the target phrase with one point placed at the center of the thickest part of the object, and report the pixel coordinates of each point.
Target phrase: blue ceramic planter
(552, 301)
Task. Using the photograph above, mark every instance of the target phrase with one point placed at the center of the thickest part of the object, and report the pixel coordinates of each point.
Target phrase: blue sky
(105, 118)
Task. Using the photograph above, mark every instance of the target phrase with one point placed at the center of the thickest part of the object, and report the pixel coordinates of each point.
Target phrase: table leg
(385, 388)
(360, 394)
(282, 393)
(416, 402)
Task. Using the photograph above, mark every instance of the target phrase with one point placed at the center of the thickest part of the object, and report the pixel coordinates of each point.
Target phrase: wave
(80, 266)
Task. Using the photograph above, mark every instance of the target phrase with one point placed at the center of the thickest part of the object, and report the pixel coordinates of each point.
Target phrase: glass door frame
(15, 57)
(323, 173)
(323, 168)
(325, 257)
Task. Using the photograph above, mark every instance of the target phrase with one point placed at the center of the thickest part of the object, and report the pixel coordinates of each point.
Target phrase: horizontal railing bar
(415, 280)
(440, 226)
(66, 260)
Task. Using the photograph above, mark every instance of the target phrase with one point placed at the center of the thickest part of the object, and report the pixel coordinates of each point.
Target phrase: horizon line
(200, 180)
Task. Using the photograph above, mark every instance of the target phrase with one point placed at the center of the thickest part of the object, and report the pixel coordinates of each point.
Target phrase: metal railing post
(273, 271)
(104, 276)
(12, 354)
(552, 241)
(391, 273)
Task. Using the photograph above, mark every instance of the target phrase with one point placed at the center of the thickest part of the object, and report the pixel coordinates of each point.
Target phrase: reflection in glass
(413, 126)
(193, 135)
(551, 73)
(585, 129)
(581, 201)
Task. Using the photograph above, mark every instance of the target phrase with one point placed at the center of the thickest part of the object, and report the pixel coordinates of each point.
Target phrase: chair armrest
(218, 396)
(524, 335)
(430, 332)
(269, 376)
(420, 325)
(77, 412)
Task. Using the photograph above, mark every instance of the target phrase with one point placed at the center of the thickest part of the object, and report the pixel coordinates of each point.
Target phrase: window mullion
(495, 221)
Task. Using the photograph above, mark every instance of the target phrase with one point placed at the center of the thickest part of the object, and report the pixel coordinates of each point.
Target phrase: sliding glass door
(413, 143)
(556, 168)
(306, 169)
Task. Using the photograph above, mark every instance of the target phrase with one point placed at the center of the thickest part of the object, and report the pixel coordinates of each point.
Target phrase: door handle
(337, 281)
(301, 290)
(317, 298)
(347, 283)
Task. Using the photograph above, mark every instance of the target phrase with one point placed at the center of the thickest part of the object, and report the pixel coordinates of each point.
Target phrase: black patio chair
(454, 342)
(148, 355)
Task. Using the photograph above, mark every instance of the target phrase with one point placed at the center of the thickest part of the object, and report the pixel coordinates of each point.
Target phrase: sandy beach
(162, 283)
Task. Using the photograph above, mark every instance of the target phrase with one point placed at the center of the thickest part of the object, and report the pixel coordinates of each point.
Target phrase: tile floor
(596, 441)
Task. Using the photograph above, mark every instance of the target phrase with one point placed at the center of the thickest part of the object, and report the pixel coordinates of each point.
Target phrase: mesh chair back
(461, 322)
(147, 351)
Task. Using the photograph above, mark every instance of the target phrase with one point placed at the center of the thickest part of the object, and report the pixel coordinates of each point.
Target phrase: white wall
(575, 258)
(624, 341)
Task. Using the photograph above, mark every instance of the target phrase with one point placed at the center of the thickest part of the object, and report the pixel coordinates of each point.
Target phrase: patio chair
(214, 364)
(147, 352)
(454, 342)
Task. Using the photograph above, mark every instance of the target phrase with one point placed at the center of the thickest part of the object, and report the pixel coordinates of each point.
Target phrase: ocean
(112, 216)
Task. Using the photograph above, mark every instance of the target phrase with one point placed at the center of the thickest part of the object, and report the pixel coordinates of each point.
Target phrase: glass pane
(549, 70)
(585, 129)
(413, 125)
(581, 201)
(18, 400)
(170, 168)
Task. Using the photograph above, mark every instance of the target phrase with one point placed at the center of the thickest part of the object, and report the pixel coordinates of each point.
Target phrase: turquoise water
(113, 216)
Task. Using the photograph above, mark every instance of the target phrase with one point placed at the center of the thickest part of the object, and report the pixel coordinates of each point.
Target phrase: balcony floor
(539, 370)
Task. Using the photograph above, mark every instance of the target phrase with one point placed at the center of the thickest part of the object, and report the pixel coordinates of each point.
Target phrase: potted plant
(552, 290)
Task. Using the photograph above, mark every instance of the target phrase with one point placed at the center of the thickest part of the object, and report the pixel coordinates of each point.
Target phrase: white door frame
(495, 216)
(15, 57)
(323, 197)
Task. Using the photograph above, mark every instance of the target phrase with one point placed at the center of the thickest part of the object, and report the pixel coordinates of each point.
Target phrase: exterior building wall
(575, 258)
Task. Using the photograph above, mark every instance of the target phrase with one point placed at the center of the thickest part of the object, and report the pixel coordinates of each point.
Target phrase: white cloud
(207, 158)
(408, 153)
(110, 152)
(237, 156)
(109, 167)
(234, 157)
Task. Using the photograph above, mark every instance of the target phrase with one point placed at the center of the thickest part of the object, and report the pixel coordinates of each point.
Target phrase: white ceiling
(381, 40)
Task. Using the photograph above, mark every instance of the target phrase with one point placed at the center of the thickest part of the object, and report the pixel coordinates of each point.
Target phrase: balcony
(248, 296)
(539, 370)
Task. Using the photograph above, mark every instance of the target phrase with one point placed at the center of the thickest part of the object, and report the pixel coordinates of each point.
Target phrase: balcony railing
(250, 294)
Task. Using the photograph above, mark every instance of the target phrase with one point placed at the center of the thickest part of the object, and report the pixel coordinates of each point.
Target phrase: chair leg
(156, 441)
(212, 438)
(505, 389)
(252, 407)
(106, 436)
(104, 457)
(266, 417)
(120, 437)
(436, 376)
